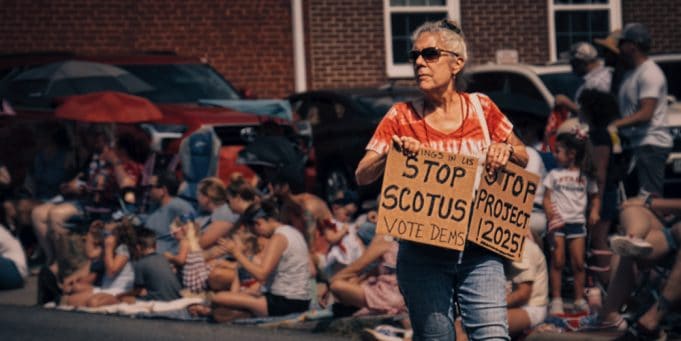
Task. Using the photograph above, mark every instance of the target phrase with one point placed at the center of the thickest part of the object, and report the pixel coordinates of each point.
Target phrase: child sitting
(154, 277)
(92, 272)
(342, 235)
(252, 249)
(190, 255)
(119, 250)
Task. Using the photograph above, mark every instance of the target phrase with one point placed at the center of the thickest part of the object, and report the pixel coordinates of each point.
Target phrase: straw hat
(611, 41)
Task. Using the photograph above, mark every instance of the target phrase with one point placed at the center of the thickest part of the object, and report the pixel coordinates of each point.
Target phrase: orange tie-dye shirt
(405, 119)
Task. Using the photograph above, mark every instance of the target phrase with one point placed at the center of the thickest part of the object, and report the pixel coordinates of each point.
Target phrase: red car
(175, 84)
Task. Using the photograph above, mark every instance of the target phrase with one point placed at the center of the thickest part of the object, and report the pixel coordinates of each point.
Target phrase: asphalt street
(34, 323)
(21, 320)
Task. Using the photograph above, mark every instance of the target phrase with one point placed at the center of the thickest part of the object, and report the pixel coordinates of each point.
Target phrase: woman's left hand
(498, 155)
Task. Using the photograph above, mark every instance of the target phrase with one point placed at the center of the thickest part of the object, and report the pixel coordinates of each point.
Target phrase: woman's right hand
(408, 145)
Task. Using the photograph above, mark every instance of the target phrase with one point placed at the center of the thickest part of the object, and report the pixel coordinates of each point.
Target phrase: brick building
(344, 42)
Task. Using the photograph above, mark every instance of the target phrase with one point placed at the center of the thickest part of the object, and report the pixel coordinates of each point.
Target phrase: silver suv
(525, 91)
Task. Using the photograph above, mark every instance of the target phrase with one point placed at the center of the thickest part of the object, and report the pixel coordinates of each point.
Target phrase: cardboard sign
(501, 211)
(427, 198)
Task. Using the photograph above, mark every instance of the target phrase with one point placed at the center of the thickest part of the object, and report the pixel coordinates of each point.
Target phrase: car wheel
(336, 180)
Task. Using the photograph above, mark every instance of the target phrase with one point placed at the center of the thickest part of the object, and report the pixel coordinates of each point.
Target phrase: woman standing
(447, 119)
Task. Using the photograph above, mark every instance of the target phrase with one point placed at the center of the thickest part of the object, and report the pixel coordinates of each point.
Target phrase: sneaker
(593, 323)
(556, 307)
(580, 305)
(630, 246)
(384, 332)
(637, 333)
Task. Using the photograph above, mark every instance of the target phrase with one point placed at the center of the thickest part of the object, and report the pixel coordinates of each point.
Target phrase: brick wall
(248, 41)
(501, 24)
(661, 17)
(345, 43)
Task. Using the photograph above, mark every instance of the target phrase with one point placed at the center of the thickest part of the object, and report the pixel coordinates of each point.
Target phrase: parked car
(177, 85)
(526, 93)
(343, 121)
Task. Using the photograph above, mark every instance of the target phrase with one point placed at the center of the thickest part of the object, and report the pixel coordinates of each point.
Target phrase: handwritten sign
(501, 211)
(427, 198)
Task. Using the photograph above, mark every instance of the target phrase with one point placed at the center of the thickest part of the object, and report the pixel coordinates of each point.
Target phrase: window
(515, 94)
(571, 21)
(401, 18)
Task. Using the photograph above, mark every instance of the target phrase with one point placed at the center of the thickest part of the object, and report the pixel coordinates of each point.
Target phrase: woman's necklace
(463, 114)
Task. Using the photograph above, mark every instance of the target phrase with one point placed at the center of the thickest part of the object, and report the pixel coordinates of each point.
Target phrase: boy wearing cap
(642, 100)
(585, 63)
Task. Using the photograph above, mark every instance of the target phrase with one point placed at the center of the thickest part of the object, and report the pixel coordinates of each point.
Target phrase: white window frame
(405, 70)
(614, 8)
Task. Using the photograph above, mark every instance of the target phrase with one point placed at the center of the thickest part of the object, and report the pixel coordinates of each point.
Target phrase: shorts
(110, 291)
(537, 314)
(572, 230)
(650, 167)
(280, 305)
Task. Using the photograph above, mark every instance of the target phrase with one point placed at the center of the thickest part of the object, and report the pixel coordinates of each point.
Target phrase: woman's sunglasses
(429, 54)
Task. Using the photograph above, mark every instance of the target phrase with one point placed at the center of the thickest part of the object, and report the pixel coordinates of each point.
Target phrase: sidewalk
(26, 296)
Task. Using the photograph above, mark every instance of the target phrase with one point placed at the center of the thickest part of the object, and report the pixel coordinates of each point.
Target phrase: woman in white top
(284, 267)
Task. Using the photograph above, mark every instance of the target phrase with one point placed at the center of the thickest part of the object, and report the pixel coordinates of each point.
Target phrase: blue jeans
(10, 278)
(432, 280)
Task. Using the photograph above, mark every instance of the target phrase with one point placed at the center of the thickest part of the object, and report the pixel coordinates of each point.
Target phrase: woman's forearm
(370, 168)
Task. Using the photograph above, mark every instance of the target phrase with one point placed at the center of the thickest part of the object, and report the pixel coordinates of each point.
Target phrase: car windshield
(562, 83)
(378, 104)
(182, 83)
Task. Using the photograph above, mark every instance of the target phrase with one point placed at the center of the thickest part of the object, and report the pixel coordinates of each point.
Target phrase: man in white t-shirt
(643, 103)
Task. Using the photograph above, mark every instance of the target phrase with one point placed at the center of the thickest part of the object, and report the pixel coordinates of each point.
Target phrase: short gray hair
(450, 34)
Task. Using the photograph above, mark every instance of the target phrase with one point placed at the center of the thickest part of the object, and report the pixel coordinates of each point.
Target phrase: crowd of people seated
(109, 230)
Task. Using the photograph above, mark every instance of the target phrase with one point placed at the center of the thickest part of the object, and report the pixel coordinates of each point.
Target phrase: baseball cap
(583, 51)
(636, 33)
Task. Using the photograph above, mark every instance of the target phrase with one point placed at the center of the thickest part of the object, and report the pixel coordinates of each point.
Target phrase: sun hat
(610, 42)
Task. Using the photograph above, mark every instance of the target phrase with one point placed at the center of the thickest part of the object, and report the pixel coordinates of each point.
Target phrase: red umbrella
(108, 107)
